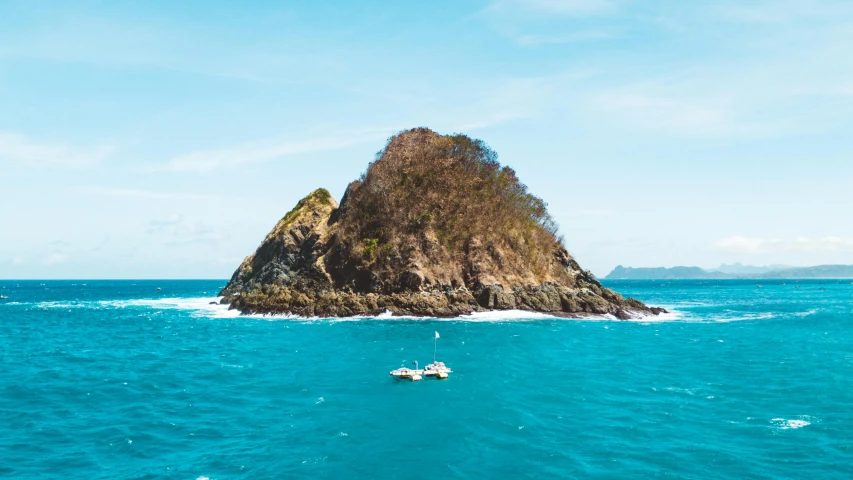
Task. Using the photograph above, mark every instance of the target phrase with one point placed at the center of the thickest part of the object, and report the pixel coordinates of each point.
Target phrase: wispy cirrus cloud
(140, 193)
(535, 39)
(102, 40)
(554, 7)
(531, 23)
(267, 150)
(589, 212)
(801, 244)
(163, 224)
(22, 150)
(686, 115)
(758, 90)
(779, 11)
(665, 112)
(179, 231)
(56, 258)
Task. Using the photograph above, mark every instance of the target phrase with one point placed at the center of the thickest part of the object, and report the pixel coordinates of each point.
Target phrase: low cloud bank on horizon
(750, 245)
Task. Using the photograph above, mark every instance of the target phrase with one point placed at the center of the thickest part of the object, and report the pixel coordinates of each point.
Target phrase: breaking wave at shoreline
(737, 303)
(210, 307)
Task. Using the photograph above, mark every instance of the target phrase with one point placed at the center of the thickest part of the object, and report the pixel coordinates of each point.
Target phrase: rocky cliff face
(435, 227)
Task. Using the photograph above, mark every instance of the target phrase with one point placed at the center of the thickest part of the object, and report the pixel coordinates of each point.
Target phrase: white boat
(436, 368)
(408, 373)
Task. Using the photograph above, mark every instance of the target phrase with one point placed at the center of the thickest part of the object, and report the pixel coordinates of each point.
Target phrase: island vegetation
(434, 226)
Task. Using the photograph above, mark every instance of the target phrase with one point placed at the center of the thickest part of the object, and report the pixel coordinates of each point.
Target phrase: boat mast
(434, 346)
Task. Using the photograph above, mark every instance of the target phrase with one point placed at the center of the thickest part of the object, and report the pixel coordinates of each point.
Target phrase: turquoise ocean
(117, 379)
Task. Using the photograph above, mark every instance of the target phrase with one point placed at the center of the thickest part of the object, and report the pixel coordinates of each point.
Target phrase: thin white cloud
(20, 149)
(105, 41)
(739, 244)
(56, 258)
(180, 232)
(666, 113)
(756, 92)
(230, 261)
(554, 7)
(489, 120)
(157, 225)
(802, 244)
(532, 40)
(827, 89)
(258, 152)
(144, 194)
(588, 212)
(531, 23)
(845, 90)
(717, 114)
(501, 101)
(779, 11)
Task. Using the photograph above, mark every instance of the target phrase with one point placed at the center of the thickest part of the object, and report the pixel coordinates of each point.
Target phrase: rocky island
(434, 227)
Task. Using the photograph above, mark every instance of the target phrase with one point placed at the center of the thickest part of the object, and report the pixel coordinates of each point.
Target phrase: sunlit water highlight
(119, 380)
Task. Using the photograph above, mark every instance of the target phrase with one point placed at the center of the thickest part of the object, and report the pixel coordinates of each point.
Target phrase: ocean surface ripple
(117, 379)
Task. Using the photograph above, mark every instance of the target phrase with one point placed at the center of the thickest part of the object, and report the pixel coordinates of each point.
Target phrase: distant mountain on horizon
(741, 269)
(662, 273)
(730, 271)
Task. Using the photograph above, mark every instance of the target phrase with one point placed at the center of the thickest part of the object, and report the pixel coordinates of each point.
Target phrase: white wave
(204, 306)
(504, 315)
(211, 308)
(740, 318)
(783, 424)
(671, 315)
(489, 316)
(386, 315)
(200, 306)
(797, 423)
(687, 391)
(63, 305)
(674, 314)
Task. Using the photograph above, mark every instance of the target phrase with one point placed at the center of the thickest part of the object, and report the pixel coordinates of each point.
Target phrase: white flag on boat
(436, 335)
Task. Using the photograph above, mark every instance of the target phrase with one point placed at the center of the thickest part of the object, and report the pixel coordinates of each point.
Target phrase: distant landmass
(731, 271)
(740, 269)
(629, 273)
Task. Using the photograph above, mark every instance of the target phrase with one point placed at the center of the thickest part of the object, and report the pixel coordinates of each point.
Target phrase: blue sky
(165, 139)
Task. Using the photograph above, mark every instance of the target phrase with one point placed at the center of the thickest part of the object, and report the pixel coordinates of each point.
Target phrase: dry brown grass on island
(436, 200)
